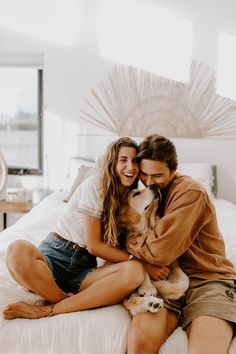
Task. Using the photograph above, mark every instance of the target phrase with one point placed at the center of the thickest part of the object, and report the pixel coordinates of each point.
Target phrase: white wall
(72, 65)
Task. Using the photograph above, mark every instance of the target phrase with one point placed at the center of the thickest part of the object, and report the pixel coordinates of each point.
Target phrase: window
(21, 118)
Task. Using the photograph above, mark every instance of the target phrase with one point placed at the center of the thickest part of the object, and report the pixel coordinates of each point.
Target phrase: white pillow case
(201, 171)
(78, 171)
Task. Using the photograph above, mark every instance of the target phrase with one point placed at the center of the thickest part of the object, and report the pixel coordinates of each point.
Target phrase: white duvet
(99, 331)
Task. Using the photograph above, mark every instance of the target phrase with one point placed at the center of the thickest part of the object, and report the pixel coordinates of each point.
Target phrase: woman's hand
(157, 273)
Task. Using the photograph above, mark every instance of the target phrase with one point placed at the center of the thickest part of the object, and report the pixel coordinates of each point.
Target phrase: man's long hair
(111, 194)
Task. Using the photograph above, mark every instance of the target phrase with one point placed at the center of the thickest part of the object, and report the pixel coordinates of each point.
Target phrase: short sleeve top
(85, 200)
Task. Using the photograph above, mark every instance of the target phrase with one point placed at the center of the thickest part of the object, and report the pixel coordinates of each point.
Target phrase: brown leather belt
(70, 244)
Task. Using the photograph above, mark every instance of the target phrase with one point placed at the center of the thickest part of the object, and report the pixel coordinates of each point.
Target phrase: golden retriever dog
(138, 217)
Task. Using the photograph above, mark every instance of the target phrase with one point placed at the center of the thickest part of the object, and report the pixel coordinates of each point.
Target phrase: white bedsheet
(99, 331)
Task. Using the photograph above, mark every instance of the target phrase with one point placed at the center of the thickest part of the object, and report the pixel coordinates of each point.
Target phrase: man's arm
(174, 233)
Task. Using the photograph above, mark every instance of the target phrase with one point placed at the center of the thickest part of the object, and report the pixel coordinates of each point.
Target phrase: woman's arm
(97, 247)
(95, 243)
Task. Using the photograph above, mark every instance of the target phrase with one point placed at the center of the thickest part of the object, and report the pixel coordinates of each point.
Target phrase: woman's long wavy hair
(111, 193)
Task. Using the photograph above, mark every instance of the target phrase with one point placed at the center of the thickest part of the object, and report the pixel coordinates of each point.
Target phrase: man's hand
(155, 272)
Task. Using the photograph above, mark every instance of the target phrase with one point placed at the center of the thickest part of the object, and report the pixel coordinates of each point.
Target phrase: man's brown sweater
(188, 231)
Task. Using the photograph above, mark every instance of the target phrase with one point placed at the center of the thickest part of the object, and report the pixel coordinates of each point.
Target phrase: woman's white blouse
(85, 200)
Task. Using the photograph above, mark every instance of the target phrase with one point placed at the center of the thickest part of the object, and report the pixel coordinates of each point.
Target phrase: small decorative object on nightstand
(14, 208)
(16, 195)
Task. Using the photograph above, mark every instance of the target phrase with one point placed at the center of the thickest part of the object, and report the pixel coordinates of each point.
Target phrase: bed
(98, 331)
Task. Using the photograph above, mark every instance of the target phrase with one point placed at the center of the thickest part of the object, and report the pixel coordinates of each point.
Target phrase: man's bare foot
(22, 309)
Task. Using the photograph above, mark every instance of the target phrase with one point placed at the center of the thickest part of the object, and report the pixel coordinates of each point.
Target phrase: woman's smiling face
(127, 166)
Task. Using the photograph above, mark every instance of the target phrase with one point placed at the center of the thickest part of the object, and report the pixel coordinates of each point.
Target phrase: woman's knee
(18, 255)
(133, 273)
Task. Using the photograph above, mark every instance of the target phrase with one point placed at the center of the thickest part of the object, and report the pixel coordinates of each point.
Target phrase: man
(187, 231)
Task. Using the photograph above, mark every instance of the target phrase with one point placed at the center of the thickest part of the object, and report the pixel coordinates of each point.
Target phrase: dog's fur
(138, 217)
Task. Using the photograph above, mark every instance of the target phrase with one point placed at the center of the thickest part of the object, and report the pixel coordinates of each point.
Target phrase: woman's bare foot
(43, 302)
(22, 309)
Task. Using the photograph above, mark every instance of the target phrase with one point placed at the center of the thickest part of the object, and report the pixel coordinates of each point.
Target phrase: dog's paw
(136, 304)
(147, 288)
(153, 303)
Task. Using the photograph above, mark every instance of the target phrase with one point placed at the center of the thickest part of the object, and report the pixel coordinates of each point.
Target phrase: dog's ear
(128, 217)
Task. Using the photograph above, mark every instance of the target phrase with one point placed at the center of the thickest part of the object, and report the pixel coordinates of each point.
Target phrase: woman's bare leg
(29, 268)
(104, 286)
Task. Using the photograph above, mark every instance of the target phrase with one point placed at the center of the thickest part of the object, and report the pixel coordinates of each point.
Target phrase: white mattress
(99, 331)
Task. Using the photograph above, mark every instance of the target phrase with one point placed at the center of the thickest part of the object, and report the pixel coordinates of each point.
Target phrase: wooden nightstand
(13, 207)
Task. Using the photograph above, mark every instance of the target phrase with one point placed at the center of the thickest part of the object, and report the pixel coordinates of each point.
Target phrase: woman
(65, 261)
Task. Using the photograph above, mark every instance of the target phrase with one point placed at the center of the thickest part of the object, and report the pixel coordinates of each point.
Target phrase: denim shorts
(69, 266)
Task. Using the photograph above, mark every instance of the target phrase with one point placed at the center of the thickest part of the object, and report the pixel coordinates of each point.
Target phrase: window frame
(33, 171)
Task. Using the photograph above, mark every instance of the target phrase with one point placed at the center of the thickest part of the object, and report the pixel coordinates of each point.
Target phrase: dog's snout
(154, 188)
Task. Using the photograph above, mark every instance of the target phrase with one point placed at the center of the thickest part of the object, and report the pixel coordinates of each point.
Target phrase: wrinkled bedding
(99, 331)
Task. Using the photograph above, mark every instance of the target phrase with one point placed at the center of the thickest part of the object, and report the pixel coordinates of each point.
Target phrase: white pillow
(201, 171)
(78, 171)
(83, 173)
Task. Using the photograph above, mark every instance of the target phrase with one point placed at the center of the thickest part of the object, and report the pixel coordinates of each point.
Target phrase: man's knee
(216, 335)
(18, 255)
(149, 331)
(142, 339)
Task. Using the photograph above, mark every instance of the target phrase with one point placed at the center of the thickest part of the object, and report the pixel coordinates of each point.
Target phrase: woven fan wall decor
(134, 102)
